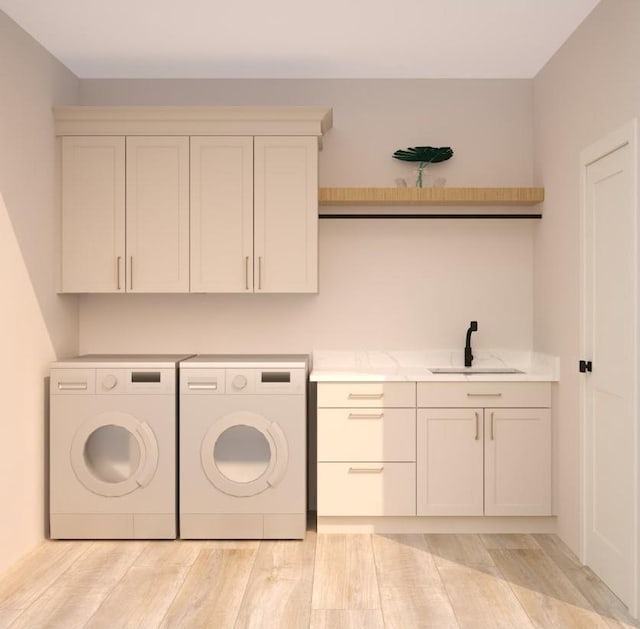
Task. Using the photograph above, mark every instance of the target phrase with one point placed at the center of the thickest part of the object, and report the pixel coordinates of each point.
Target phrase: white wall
(589, 88)
(383, 284)
(35, 324)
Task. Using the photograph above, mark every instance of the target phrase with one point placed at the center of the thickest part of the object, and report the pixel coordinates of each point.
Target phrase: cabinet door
(286, 214)
(518, 461)
(93, 214)
(222, 214)
(449, 462)
(157, 214)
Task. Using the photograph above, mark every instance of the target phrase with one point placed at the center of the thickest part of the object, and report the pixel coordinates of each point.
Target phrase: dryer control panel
(243, 381)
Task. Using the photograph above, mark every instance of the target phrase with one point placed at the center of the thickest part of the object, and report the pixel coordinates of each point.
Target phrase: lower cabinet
(517, 461)
(492, 461)
(434, 449)
(449, 462)
(366, 449)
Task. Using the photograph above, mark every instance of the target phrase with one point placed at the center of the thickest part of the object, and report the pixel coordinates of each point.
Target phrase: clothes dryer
(243, 446)
(112, 447)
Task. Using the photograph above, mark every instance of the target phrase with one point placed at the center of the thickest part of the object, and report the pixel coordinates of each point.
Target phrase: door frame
(625, 135)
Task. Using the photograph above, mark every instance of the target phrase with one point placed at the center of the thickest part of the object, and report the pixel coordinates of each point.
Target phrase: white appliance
(243, 447)
(112, 459)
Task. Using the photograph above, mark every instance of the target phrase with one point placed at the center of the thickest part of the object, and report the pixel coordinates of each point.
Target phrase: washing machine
(243, 447)
(112, 447)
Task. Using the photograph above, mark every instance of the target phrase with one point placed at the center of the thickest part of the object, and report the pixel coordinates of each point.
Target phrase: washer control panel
(135, 381)
(112, 381)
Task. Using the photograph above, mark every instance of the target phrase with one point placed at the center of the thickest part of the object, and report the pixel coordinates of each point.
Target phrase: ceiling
(300, 38)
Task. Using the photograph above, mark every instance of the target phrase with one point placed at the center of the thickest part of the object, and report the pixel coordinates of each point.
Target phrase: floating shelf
(430, 196)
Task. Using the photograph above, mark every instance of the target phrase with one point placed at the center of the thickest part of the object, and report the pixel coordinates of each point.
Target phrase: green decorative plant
(424, 155)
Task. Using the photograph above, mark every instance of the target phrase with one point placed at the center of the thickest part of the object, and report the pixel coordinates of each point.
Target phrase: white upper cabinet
(119, 237)
(93, 214)
(157, 225)
(222, 214)
(216, 199)
(254, 214)
(286, 215)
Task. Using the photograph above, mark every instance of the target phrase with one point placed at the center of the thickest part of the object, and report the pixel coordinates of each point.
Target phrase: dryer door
(114, 453)
(244, 454)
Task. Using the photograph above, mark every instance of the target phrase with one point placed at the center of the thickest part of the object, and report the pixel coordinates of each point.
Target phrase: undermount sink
(470, 371)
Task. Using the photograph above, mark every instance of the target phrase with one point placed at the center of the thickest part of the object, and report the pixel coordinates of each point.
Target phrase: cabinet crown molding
(125, 120)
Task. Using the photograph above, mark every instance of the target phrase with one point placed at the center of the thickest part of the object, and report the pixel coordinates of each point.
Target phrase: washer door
(243, 454)
(114, 453)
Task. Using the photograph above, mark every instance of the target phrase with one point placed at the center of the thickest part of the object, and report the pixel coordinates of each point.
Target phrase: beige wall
(487, 123)
(36, 325)
(589, 88)
(383, 284)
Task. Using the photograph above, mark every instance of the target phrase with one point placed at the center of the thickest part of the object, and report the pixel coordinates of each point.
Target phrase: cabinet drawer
(484, 394)
(366, 434)
(366, 489)
(366, 394)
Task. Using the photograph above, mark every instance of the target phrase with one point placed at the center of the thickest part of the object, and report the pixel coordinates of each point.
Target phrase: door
(244, 454)
(449, 457)
(113, 454)
(93, 214)
(157, 215)
(286, 214)
(517, 461)
(222, 214)
(609, 207)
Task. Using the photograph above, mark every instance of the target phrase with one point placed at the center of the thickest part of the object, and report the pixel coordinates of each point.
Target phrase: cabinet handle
(366, 415)
(259, 272)
(484, 394)
(366, 396)
(366, 470)
(246, 272)
(118, 260)
(492, 436)
(477, 426)
(131, 270)
(210, 386)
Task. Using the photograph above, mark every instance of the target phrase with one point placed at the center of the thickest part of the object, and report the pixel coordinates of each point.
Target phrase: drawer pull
(366, 470)
(366, 415)
(484, 394)
(366, 396)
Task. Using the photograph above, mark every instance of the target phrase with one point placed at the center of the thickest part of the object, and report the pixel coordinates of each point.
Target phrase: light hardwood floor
(325, 581)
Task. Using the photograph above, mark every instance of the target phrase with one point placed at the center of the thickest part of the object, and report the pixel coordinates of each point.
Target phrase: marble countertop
(413, 366)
